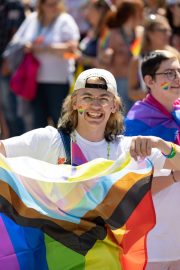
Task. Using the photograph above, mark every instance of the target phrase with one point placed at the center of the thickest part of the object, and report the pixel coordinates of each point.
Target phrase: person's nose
(95, 102)
(177, 79)
(177, 74)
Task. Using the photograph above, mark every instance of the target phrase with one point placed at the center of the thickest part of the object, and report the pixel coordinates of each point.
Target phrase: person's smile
(94, 115)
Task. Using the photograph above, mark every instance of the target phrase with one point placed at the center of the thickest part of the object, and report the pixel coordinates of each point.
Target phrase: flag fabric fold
(93, 216)
(150, 118)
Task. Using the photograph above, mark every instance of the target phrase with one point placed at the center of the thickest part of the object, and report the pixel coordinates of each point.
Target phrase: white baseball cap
(110, 85)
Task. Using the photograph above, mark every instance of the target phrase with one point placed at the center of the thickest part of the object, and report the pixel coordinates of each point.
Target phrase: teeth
(95, 114)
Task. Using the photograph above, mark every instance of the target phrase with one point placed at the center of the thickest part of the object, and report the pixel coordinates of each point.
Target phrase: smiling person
(156, 36)
(159, 115)
(92, 118)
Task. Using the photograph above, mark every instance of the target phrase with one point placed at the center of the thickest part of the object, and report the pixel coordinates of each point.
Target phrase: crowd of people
(67, 37)
(110, 73)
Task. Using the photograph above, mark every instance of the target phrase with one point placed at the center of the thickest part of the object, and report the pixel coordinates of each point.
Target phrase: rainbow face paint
(81, 110)
(165, 85)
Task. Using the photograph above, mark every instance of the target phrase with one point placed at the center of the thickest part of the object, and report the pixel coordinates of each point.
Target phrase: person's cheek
(81, 109)
(165, 86)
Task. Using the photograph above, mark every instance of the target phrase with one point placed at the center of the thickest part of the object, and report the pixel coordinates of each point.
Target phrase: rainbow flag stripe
(135, 47)
(93, 216)
(161, 122)
(165, 85)
(105, 38)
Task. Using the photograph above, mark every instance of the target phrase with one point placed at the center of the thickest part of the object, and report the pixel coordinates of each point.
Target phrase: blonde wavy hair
(69, 119)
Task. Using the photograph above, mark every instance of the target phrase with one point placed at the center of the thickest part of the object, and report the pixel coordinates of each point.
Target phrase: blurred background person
(173, 16)
(154, 7)
(158, 115)
(156, 36)
(4, 131)
(29, 5)
(11, 16)
(75, 8)
(124, 24)
(51, 35)
(95, 13)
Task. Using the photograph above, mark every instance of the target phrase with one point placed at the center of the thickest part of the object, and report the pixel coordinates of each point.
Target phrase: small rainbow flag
(70, 55)
(104, 38)
(79, 69)
(135, 47)
(81, 109)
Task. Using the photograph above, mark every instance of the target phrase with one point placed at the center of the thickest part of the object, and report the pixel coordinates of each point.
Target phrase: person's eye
(170, 73)
(87, 99)
(104, 100)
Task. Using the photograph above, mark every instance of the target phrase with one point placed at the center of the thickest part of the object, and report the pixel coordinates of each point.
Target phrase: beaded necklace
(73, 137)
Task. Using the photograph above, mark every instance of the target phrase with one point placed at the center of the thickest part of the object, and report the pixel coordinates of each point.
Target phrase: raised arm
(134, 87)
(141, 146)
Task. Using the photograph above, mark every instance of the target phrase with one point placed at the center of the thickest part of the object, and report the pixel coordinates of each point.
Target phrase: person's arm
(86, 60)
(58, 49)
(162, 182)
(68, 40)
(105, 53)
(2, 149)
(42, 143)
(134, 90)
(175, 175)
(4, 127)
(141, 146)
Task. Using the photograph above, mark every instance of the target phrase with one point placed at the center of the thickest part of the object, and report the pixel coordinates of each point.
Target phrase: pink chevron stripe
(8, 259)
(78, 157)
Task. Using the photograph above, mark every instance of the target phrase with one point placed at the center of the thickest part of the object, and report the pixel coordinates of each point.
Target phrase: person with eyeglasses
(92, 118)
(156, 36)
(171, 74)
(125, 30)
(158, 114)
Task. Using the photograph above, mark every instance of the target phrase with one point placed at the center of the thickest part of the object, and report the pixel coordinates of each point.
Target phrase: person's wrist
(171, 153)
(173, 176)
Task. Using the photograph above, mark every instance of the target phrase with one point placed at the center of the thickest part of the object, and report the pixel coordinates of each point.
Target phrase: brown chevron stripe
(121, 191)
(80, 237)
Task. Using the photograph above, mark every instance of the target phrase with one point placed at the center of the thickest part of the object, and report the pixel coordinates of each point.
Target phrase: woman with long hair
(95, 13)
(124, 28)
(156, 36)
(51, 35)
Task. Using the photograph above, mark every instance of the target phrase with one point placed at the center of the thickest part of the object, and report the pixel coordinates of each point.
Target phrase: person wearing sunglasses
(158, 114)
